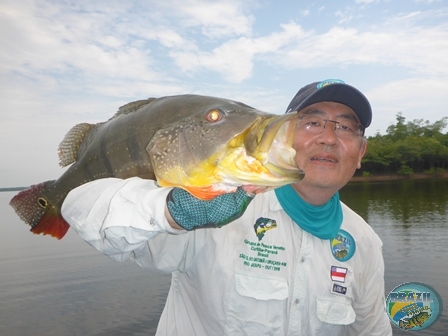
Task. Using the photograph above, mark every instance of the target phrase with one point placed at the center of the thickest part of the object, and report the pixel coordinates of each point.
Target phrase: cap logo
(329, 82)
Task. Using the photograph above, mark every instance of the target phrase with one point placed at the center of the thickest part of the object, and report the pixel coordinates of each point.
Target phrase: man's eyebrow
(348, 116)
(314, 112)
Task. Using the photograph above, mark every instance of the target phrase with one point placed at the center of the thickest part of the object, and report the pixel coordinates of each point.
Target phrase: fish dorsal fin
(133, 106)
(68, 148)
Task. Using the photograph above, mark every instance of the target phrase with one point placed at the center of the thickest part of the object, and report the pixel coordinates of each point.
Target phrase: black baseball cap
(334, 90)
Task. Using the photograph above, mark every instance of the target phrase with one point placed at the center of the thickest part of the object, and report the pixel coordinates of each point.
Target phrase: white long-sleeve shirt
(231, 281)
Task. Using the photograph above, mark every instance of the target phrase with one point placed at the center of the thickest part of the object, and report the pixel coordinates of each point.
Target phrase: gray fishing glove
(191, 213)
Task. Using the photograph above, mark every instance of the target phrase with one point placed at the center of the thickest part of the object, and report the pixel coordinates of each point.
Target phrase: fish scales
(206, 145)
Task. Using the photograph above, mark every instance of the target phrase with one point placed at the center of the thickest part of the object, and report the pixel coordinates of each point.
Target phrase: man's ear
(362, 151)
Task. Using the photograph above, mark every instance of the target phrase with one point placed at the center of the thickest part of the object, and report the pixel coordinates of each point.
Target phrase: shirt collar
(274, 204)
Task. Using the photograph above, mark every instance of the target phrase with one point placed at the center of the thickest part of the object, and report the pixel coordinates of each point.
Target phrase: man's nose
(328, 134)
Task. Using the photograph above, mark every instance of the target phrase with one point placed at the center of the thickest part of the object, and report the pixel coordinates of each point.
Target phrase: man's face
(328, 157)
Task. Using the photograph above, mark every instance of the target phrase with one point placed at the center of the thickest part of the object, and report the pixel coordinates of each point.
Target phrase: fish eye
(42, 202)
(213, 116)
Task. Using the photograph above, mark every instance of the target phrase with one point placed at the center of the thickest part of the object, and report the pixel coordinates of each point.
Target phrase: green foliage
(435, 171)
(405, 170)
(408, 147)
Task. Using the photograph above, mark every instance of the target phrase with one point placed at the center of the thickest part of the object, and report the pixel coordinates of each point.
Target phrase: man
(290, 261)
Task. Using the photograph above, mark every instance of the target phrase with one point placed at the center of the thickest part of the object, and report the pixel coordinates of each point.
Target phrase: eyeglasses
(343, 129)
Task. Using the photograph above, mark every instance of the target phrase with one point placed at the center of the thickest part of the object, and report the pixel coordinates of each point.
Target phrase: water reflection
(406, 201)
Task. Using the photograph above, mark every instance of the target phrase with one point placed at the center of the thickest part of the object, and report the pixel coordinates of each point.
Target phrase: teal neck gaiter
(323, 221)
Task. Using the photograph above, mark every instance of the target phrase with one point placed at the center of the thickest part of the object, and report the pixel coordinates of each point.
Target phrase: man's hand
(190, 213)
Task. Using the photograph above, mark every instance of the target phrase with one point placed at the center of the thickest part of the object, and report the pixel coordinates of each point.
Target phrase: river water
(50, 287)
(411, 217)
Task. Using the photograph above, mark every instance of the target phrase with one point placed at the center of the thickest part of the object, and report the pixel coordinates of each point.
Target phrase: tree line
(416, 146)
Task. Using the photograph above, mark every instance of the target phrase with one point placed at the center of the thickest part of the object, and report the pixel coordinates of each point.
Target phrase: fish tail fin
(35, 210)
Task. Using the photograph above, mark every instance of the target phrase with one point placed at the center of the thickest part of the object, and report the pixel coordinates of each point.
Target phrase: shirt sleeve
(118, 217)
(371, 317)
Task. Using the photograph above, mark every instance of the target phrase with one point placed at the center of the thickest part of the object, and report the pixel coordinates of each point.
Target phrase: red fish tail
(35, 210)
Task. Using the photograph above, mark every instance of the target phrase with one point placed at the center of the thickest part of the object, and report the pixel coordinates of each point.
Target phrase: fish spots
(166, 148)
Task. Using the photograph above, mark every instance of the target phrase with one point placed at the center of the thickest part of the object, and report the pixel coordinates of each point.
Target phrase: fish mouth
(270, 141)
(267, 157)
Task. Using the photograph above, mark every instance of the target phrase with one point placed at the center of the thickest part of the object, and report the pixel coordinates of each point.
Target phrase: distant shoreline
(13, 189)
(354, 179)
(399, 177)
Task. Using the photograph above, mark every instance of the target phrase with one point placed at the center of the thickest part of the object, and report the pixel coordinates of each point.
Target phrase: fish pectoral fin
(68, 148)
(205, 193)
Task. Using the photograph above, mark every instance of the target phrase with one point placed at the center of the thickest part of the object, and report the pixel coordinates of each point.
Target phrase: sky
(68, 62)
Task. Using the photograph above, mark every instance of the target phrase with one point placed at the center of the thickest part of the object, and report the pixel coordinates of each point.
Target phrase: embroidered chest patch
(262, 225)
(343, 246)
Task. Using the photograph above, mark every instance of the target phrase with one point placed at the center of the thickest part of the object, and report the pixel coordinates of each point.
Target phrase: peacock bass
(206, 145)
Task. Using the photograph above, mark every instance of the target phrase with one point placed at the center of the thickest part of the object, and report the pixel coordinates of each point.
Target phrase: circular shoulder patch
(343, 246)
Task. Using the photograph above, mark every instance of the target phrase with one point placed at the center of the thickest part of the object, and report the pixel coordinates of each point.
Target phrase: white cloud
(405, 16)
(44, 39)
(234, 59)
(417, 98)
(420, 49)
(216, 18)
(81, 39)
(343, 16)
(428, 1)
